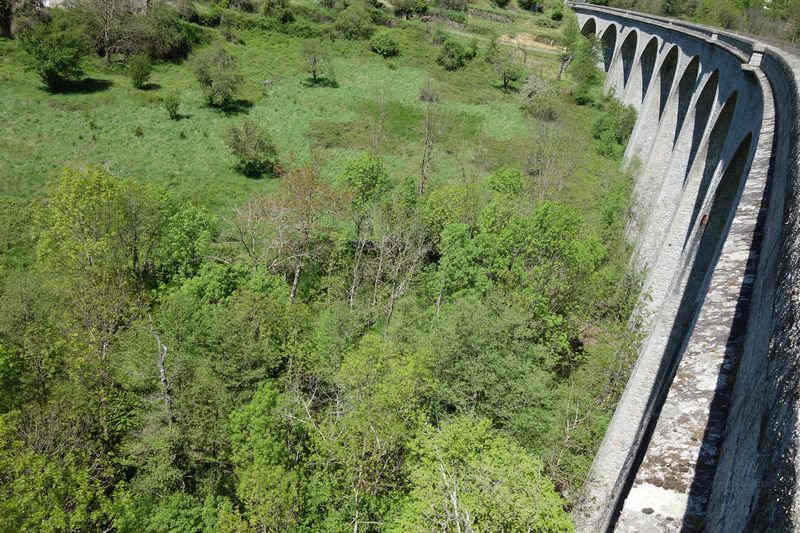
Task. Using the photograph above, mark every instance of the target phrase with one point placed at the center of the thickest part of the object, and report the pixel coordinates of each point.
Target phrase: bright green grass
(375, 107)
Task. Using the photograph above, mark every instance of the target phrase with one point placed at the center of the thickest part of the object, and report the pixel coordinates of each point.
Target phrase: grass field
(375, 107)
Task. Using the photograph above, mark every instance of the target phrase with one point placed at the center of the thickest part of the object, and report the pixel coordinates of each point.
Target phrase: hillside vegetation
(769, 19)
(306, 267)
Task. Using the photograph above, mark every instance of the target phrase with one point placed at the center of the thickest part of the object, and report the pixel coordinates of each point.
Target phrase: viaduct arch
(706, 433)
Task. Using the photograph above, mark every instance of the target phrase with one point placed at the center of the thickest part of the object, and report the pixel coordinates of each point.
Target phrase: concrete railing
(705, 435)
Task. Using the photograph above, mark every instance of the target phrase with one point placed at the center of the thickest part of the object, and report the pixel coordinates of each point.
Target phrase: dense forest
(299, 266)
(772, 19)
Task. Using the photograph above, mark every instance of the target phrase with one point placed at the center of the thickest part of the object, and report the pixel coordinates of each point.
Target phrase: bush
(219, 77)
(508, 70)
(253, 148)
(557, 14)
(529, 5)
(502, 3)
(55, 49)
(453, 55)
(613, 128)
(273, 7)
(506, 181)
(456, 16)
(410, 8)
(383, 45)
(539, 99)
(455, 5)
(139, 69)
(172, 103)
(318, 63)
(354, 23)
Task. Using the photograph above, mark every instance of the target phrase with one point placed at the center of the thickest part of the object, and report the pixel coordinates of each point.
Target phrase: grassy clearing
(375, 107)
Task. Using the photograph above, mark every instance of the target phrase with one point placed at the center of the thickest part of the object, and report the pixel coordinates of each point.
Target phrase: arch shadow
(627, 53)
(666, 77)
(686, 88)
(647, 64)
(716, 143)
(608, 42)
(702, 113)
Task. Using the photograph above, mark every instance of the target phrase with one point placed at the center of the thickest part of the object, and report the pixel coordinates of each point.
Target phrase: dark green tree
(55, 49)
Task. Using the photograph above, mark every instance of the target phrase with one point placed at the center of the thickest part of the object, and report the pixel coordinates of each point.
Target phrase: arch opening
(702, 113)
(686, 88)
(589, 28)
(647, 63)
(627, 55)
(666, 76)
(608, 42)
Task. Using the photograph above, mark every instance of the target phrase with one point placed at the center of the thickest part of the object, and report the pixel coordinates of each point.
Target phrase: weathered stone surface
(705, 435)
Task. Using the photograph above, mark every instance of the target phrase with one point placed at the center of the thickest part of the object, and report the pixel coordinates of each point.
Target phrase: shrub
(539, 99)
(383, 45)
(318, 63)
(354, 23)
(506, 181)
(455, 5)
(557, 14)
(410, 8)
(453, 55)
(253, 148)
(530, 5)
(139, 69)
(172, 103)
(55, 49)
(613, 128)
(456, 16)
(502, 3)
(273, 7)
(219, 77)
(508, 70)
(161, 34)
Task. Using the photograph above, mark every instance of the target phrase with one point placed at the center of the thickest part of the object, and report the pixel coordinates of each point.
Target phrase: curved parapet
(705, 434)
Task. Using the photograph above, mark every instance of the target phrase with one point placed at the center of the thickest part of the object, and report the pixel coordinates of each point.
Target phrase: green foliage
(530, 5)
(410, 8)
(354, 23)
(584, 69)
(459, 270)
(264, 455)
(465, 477)
(368, 179)
(253, 148)
(454, 55)
(539, 99)
(508, 70)
(217, 71)
(41, 492)
(318, 63)
(612, 129)
(139, 69)
(55, 49)
(506, 181)
(502, 3)
(172, 103)
(454, 5)
(383, 45)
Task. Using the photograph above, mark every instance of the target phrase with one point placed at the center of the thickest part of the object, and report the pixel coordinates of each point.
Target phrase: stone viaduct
(705, 436)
